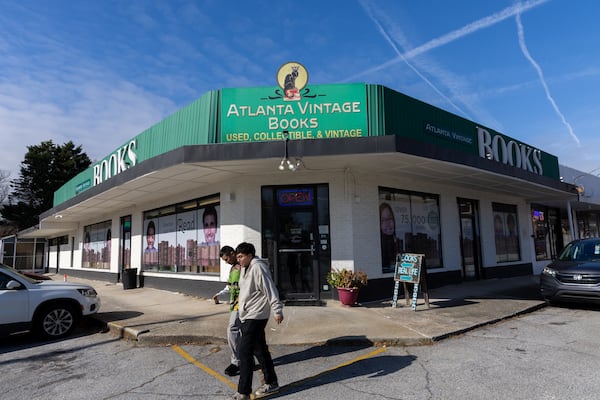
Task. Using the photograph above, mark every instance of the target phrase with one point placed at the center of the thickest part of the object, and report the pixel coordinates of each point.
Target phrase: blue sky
(100, 72)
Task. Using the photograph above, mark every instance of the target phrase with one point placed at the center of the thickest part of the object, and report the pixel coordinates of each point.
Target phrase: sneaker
(232, 370)
(239, 396)
(261, 377)
(266, 390)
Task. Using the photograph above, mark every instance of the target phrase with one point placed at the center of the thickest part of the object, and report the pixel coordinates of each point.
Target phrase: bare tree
(4, 185)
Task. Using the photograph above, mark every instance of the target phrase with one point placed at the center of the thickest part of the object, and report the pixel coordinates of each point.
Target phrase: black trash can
(129, 278)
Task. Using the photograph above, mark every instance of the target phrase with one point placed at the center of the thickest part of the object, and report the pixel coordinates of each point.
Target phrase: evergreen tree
(44, 170)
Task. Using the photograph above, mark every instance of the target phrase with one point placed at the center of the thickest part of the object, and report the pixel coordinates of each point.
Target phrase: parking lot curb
(489, 322)
(124, 332)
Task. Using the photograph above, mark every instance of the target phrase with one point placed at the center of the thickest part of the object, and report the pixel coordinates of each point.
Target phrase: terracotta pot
(348, 296)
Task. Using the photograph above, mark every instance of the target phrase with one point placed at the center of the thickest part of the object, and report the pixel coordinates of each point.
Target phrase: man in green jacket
(228, 255)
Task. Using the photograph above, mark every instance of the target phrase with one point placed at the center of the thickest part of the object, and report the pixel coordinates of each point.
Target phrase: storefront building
(317, 177)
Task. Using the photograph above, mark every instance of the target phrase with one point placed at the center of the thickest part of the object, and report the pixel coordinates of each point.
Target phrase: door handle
(295, 250)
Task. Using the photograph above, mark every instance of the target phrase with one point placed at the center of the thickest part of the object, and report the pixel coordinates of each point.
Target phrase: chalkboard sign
(408, 270)
(408, 267)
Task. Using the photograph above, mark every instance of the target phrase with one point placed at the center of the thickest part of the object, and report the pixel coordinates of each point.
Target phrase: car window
(591, 251)
(581, 251)
(4, 280)
(21, 276)
(567, 254)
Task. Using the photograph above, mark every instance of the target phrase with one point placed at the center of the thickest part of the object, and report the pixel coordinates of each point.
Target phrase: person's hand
(278, 318)
(216, 299)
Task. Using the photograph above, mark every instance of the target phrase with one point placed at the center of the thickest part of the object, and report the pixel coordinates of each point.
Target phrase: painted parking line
(291, 385)
(203, 367)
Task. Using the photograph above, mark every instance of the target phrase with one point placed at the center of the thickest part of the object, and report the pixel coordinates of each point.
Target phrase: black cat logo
(290, 82)
(292, 78)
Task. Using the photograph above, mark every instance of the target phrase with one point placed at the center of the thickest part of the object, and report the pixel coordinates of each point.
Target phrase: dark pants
(253, 344)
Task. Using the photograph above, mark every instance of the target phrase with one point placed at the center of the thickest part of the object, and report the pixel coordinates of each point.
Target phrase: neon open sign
(295, 197)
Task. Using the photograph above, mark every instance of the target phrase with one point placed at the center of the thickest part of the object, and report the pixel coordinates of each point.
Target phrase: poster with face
(150, 256)
(96, 245)
(389, 230)
(208, 249)
(210, 224)
(409, 222)
(506, 236)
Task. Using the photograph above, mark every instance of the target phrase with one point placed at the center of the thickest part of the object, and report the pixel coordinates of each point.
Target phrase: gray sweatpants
(233, 336)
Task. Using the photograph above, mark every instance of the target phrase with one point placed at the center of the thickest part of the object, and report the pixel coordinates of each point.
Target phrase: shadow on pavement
(26, 340)
(451, 303)
(576, 306)
(333, 347)
(370, 368)
(112, 316)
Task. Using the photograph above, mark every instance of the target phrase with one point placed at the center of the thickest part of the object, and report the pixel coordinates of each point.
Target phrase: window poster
(167, 239)
(187, 234)
(87, 239)
(409, 222)
(182, 238)
(96, 246)
(209, 240)
(106, 249)
(97, 239)
(150, 255)
(506, 233)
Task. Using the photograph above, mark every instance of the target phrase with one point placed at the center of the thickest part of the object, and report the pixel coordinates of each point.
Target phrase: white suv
(49, 308)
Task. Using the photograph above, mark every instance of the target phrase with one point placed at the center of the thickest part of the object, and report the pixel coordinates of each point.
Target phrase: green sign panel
(85, 185)
(320, 112)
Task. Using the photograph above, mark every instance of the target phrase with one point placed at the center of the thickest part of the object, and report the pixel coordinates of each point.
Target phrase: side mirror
(13, 285)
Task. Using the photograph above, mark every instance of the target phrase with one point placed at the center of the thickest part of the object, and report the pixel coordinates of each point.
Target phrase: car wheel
(55, 321)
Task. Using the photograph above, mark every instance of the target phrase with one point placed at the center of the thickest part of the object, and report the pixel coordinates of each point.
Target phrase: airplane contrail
(454, 35)
(540, 73)
(401, 56)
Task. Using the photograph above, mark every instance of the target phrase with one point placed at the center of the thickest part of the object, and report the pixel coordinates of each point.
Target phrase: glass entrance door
(125, 245)
(295, 253)
(296, 238)
(469, 239)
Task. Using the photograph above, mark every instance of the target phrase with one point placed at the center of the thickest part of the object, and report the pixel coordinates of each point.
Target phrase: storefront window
(587, 224)
(183, 237)
(409, 223)
(506, 232)
(8, 250)
(96, 245)
(25, 254)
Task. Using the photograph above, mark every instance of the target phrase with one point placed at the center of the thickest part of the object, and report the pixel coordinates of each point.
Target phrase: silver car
(49, 308)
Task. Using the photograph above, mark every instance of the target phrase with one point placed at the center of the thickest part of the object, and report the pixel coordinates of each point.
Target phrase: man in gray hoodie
(258, 298)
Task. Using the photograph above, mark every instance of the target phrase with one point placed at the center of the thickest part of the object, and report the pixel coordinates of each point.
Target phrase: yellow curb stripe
(203, 367)
(363, 357)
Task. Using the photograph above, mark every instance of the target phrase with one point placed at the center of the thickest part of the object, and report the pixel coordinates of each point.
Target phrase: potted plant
(348, 283)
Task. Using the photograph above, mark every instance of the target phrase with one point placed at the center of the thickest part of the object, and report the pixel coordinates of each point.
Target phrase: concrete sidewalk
(157, 317)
